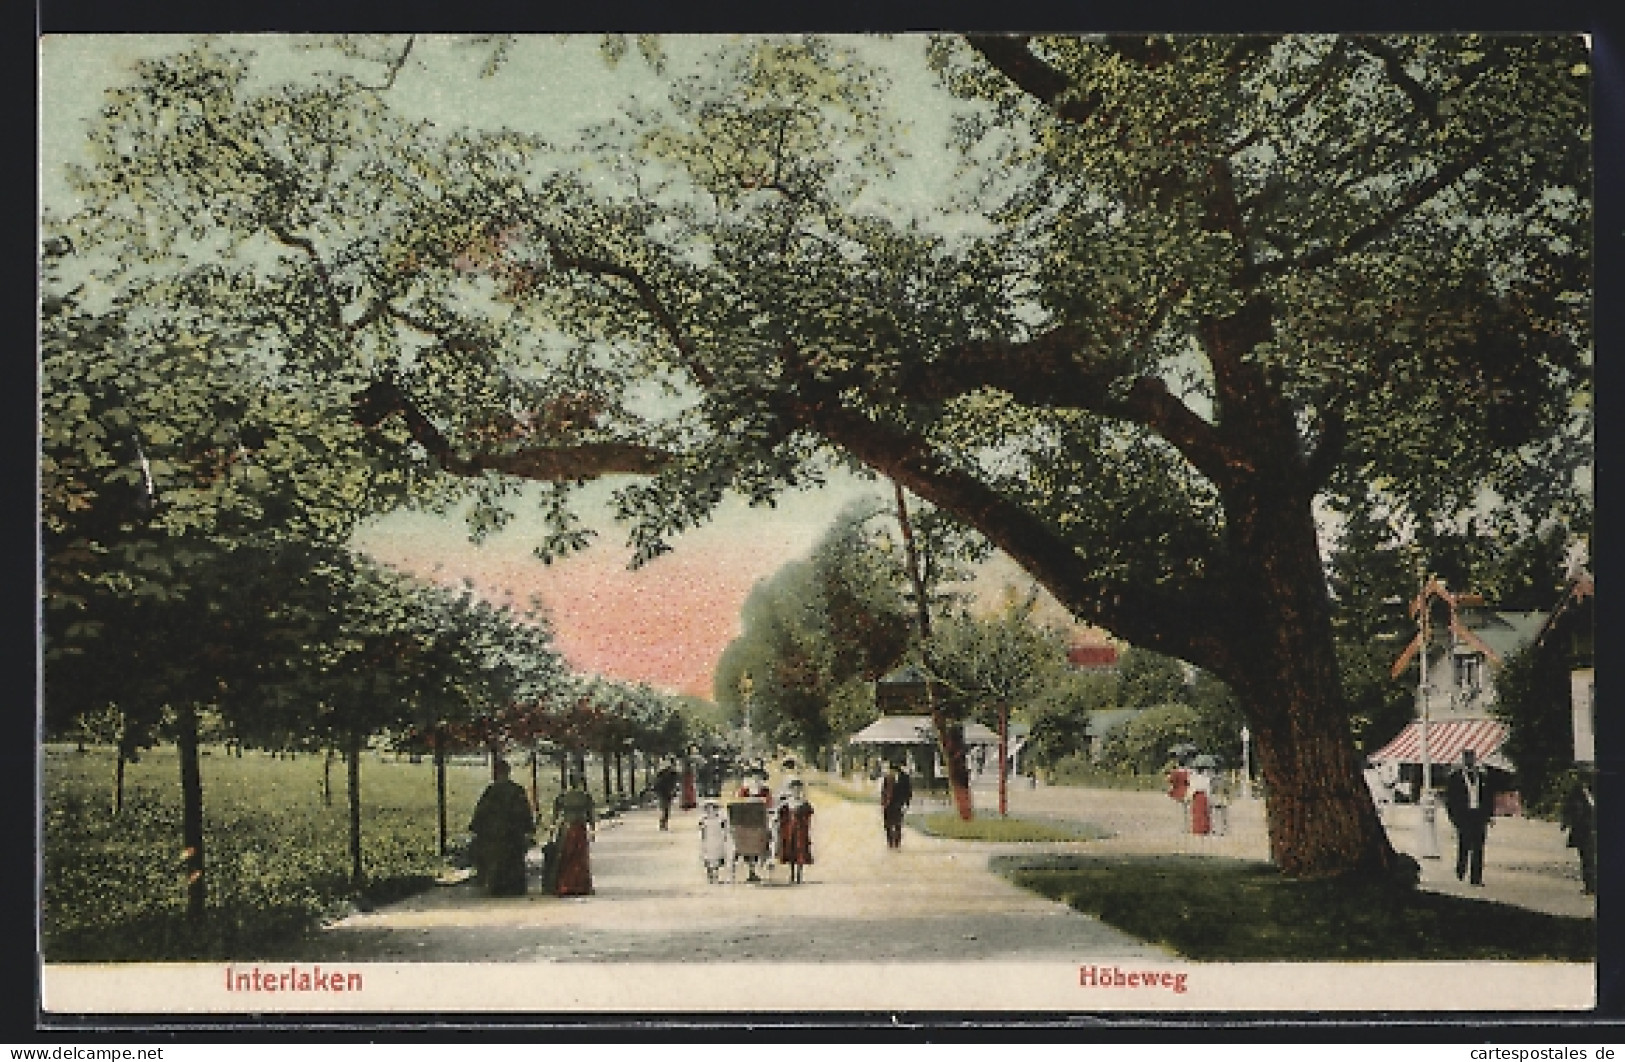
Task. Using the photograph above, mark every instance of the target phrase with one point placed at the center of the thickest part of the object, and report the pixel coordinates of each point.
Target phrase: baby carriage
(747, 826)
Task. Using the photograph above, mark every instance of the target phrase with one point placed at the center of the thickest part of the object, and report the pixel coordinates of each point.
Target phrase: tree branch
(1328, 449)
(395, 67)
(646, 296)
(1386, 222)
(545, 463)
(1393, 64)
(1323, 78)
(1010, 56)
(1180, 621)
(335, 308)
(1044, 372)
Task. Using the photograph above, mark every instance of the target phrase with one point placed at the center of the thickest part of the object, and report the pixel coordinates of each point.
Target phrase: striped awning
(1446, 739)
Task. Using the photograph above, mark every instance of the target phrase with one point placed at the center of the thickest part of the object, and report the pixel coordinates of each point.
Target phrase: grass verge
(993, 827)
(277, 851)
(1230, 910)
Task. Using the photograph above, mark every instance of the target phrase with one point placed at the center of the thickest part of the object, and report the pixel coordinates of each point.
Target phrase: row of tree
(197, 588)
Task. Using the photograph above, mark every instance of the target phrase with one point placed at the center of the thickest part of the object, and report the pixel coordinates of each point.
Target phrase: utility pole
(1429, 841)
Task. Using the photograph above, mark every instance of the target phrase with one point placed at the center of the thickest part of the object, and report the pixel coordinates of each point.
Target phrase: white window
(1469, 672)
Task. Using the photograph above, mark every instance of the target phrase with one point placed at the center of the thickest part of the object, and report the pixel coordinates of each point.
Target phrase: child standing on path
(798, 847)
(713, 840)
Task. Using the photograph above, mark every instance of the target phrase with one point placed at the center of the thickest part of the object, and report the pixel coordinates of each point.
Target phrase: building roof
(907, 675)
(915, 730)
(1496, 634)
(1504, 633)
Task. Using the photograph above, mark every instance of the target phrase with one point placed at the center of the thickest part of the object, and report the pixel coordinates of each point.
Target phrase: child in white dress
(713, 840)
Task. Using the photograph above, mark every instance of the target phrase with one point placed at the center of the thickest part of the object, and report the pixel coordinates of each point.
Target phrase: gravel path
(931, 901)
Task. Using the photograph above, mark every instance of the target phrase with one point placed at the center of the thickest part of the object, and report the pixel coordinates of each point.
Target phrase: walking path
(931, 901)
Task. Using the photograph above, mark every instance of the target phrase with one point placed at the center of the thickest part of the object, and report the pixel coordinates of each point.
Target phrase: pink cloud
(665, 624)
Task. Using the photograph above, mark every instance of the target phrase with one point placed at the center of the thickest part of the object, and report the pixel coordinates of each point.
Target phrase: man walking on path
(1469, 800)
(666, 789)
(503, 830)
(895, 793)
(1580, 820)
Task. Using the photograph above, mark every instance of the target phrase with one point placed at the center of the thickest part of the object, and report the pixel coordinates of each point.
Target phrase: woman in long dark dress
(573, 809)
(503, 830)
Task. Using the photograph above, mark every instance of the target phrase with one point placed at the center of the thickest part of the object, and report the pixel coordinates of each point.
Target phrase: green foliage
(1059, 714)
(1077, 770)
(1146, 678)
(278, 856)
(983, 662)
(814, 635)
(1141, 745)
(1533, 694)
(1232, 911)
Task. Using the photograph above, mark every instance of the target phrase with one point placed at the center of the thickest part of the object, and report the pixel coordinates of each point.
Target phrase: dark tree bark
(440, 786)
(358, 870)
(124, 747)
(186, 744)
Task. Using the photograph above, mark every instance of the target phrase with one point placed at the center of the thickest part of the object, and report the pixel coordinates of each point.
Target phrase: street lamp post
(746, 687)
(1429, 841)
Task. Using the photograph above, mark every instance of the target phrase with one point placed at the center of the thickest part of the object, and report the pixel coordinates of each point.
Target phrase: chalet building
(1464, 643)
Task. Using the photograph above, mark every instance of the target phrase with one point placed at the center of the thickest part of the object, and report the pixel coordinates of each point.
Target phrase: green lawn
(990, 826)
(1231, 910)
(278, 856)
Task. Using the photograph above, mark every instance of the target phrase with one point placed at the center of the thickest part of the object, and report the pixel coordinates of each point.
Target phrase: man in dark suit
(1469, 800)
(895, 793)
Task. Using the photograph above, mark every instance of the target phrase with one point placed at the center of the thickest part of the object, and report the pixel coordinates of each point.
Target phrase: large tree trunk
(118, 784)
(124, 747)
(1322, 820)
(191, 811)
(951, 734)
(1004, 759)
